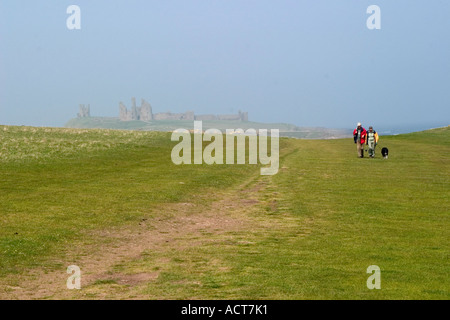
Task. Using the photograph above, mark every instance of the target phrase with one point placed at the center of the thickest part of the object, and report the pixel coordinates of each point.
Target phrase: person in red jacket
(359, 135)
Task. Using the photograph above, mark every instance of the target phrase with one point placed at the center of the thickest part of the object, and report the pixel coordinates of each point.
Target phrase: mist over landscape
(238, 158)
(307, 63)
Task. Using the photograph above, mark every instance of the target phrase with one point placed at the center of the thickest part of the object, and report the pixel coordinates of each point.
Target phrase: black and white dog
(385, 152)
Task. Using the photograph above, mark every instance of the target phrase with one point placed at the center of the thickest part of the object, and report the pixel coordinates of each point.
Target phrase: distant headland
(143, 118)
(145, 113)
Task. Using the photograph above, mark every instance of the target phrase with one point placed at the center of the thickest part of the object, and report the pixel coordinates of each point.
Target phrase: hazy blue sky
(312, 63)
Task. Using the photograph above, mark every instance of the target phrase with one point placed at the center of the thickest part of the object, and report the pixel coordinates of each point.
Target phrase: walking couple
(361, 137)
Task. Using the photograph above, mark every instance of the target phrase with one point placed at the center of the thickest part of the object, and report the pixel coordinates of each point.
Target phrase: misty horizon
(311, 64)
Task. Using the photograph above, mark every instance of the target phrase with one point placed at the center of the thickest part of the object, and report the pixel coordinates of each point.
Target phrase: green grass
(392, 213)
(319, 223)
(57, 185)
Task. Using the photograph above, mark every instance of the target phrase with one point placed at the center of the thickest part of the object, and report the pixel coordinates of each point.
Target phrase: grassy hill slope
(139, 226)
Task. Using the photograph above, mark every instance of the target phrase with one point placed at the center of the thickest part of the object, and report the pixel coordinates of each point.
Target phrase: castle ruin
(85, 112)
(144, 113)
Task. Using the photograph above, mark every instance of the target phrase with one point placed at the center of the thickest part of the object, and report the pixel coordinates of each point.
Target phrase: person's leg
(360, 149)
(371, 149)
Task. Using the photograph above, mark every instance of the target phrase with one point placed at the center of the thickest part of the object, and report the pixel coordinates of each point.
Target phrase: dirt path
(182, 225)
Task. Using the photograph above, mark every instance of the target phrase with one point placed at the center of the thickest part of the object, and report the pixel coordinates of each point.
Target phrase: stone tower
(243, 116)
(143, 113)
(84, 112)
(134, 112)
(123, 113)
(146, 113)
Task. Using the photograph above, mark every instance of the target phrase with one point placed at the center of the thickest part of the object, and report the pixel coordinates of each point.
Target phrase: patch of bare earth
(180, 225)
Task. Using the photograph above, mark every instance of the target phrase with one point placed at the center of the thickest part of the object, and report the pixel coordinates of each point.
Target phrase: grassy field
(138, 226)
